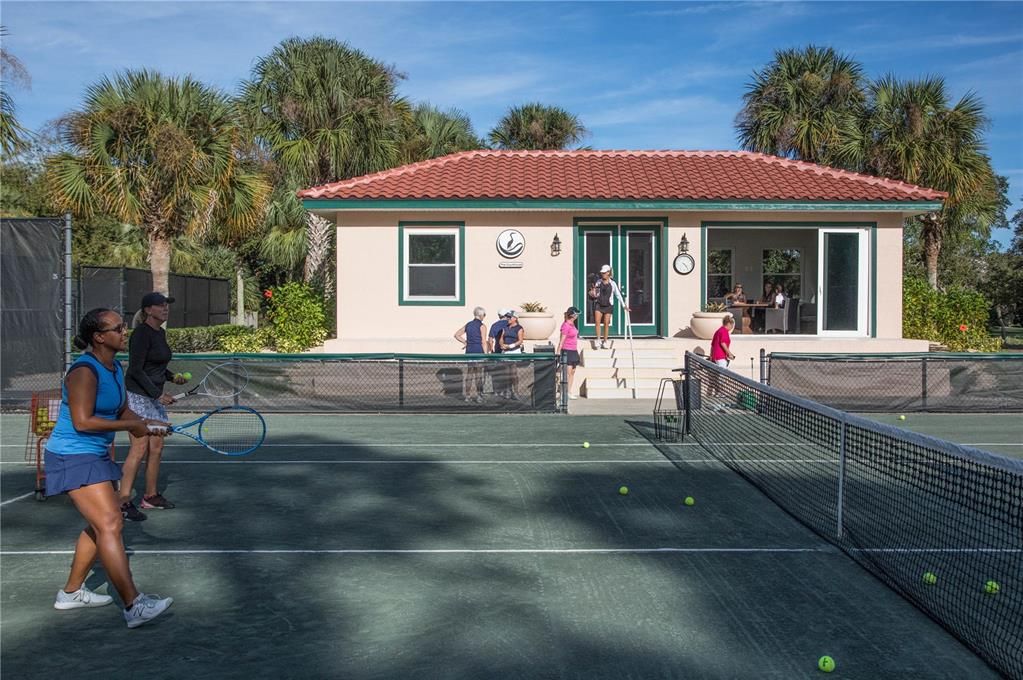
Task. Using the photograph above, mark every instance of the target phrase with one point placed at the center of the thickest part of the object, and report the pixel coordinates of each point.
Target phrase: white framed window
(432, 257)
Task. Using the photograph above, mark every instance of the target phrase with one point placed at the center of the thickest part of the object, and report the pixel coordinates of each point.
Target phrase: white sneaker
(602, 345)
(145, 608)
(83, 597)
(572, 396)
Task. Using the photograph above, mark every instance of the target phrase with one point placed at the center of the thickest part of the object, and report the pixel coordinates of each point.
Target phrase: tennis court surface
(459, 547)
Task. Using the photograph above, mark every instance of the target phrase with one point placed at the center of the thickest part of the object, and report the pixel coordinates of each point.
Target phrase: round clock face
(510, 243)
(684, 263)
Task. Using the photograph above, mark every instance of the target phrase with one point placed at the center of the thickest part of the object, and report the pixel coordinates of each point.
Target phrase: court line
(652, 461)
(520, 445)
(22, 496)
(440, 551)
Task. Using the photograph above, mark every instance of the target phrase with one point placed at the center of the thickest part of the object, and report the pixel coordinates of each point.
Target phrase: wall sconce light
(683, 245)
(556, 246)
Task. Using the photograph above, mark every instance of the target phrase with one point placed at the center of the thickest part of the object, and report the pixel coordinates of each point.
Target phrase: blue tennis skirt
(67, 473)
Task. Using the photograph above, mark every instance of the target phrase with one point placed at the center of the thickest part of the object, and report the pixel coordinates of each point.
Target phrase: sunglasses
(120, 328)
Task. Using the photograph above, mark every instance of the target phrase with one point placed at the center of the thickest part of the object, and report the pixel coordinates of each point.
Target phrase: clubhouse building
(419, 246)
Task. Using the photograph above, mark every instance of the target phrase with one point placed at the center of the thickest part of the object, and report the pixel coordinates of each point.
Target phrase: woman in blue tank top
(471, 335)
(93, 408)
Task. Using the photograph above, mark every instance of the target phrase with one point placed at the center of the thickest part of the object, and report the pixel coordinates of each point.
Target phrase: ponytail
(91, 323)
(139, 318)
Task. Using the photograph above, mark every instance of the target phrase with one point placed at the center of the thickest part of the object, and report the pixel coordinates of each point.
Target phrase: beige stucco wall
(371, 319)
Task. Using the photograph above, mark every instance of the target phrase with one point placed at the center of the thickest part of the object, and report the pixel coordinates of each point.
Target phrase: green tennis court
(460, 547)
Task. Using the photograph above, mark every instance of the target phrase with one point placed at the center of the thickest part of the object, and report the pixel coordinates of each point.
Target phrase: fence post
(923, 383)
(239, 290)
(763, 366)
(401, 383)
(686, 397)
(68, 313)
(563, 369)
(841, 482)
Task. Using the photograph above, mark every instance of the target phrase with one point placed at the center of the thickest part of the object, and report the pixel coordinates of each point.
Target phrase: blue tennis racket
(231, 430)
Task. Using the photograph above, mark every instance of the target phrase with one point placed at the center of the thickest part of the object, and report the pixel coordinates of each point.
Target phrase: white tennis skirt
(144, 407)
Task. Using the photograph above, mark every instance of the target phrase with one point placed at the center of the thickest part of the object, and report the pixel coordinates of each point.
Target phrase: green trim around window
(872, 226)
(402, 302)
(574, 204)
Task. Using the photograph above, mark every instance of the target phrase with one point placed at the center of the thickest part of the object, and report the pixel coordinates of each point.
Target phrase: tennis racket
(231, 430)
(223, 381)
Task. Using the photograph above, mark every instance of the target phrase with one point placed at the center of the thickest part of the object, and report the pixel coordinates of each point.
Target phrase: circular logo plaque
(510, 243)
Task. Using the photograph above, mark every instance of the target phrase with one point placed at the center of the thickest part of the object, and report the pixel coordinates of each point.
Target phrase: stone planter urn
(537, 325)
(705, 324)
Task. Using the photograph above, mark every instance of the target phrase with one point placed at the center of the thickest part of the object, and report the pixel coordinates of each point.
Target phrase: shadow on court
(746, 592)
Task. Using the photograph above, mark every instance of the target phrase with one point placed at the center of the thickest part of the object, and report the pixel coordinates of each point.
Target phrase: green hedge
(204, 338)
(956, 318)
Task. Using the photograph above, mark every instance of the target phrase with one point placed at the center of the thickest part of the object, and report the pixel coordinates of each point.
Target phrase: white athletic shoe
(145, 608)
(572, 396)
(83, 597)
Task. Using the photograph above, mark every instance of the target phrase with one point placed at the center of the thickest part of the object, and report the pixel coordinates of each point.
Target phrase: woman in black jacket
(148, 358)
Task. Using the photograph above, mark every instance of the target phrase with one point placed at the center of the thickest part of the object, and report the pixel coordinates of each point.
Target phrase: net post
(923, 383)
(686, 399)
(841, 482)
(563, 373)
(763, 365)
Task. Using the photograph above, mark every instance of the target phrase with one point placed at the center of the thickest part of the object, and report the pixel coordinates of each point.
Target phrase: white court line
(653, 461)
(443, 551)
(521, 445)
(24, 495)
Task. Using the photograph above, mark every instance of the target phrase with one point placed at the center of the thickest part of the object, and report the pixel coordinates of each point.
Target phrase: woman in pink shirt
(568, 346)
(720, 345)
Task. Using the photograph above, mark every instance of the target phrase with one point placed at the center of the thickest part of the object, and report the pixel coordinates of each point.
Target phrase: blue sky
(639, 75)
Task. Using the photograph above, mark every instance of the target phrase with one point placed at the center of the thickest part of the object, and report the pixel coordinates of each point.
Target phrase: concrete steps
(621, 372)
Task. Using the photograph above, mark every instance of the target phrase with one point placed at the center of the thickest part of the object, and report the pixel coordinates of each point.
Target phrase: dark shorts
(67, 473)
(603, 309)
(474, 349)
(571, 357)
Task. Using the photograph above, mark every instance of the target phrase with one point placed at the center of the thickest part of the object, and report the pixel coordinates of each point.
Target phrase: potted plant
(705, 323)
(537, 323)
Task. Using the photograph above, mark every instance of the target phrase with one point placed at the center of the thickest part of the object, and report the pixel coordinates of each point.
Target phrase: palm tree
(161, 153)
(537, 127)
(917, 137)
(432, 133)
(806, 104)
(323, 111)
(12, 72)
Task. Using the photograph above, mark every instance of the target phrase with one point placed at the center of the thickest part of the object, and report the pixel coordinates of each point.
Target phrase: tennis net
(940, 523)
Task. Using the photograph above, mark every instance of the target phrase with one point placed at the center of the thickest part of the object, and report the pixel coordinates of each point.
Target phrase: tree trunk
(317, 248)
(159, 262)
(932, 247)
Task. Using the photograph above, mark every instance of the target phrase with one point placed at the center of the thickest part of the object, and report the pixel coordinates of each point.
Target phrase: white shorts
(722, 362)
(146, 408)
(517, 350)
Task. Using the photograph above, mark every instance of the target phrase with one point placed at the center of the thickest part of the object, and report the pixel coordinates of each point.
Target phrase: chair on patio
(783, 318)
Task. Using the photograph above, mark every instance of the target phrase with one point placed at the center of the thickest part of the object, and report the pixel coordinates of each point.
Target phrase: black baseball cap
(150, 299)
(572, 310)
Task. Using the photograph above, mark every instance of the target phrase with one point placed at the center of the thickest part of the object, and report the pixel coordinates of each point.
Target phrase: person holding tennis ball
(148, 358)
(93, 407)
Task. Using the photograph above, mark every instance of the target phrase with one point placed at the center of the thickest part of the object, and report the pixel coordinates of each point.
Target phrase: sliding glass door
(842, 282)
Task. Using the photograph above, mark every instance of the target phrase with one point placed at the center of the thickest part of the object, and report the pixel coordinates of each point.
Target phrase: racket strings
(232, 431)
(225, 381)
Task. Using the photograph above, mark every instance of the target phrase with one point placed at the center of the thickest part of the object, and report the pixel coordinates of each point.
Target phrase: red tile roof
(621, 175)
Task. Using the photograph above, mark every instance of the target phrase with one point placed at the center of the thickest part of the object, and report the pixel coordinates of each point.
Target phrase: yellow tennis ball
(930, 578)
(902, 417)
(586, 445)
(689, 500)
(186, 375)
(991, 587)
(623, 490)
(826, 664)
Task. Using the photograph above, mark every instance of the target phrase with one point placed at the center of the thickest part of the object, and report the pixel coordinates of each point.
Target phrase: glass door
(842, 285)
(632, 252)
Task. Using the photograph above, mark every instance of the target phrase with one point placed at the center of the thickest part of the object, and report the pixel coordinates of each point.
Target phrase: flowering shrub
(956, 318)
(296, 317)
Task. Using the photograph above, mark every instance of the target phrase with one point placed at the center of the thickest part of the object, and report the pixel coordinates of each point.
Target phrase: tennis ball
(902, 417)
(186, 375)
(826, 664)
(991, 587)
(930, 578)
(689, 500)
(623, 490)
(586, 445)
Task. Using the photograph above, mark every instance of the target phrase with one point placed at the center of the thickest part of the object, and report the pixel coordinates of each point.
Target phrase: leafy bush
(296, 317)
(956, 318)
(533, 308)
(250, 340)
(715, 307)
(201, 338)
